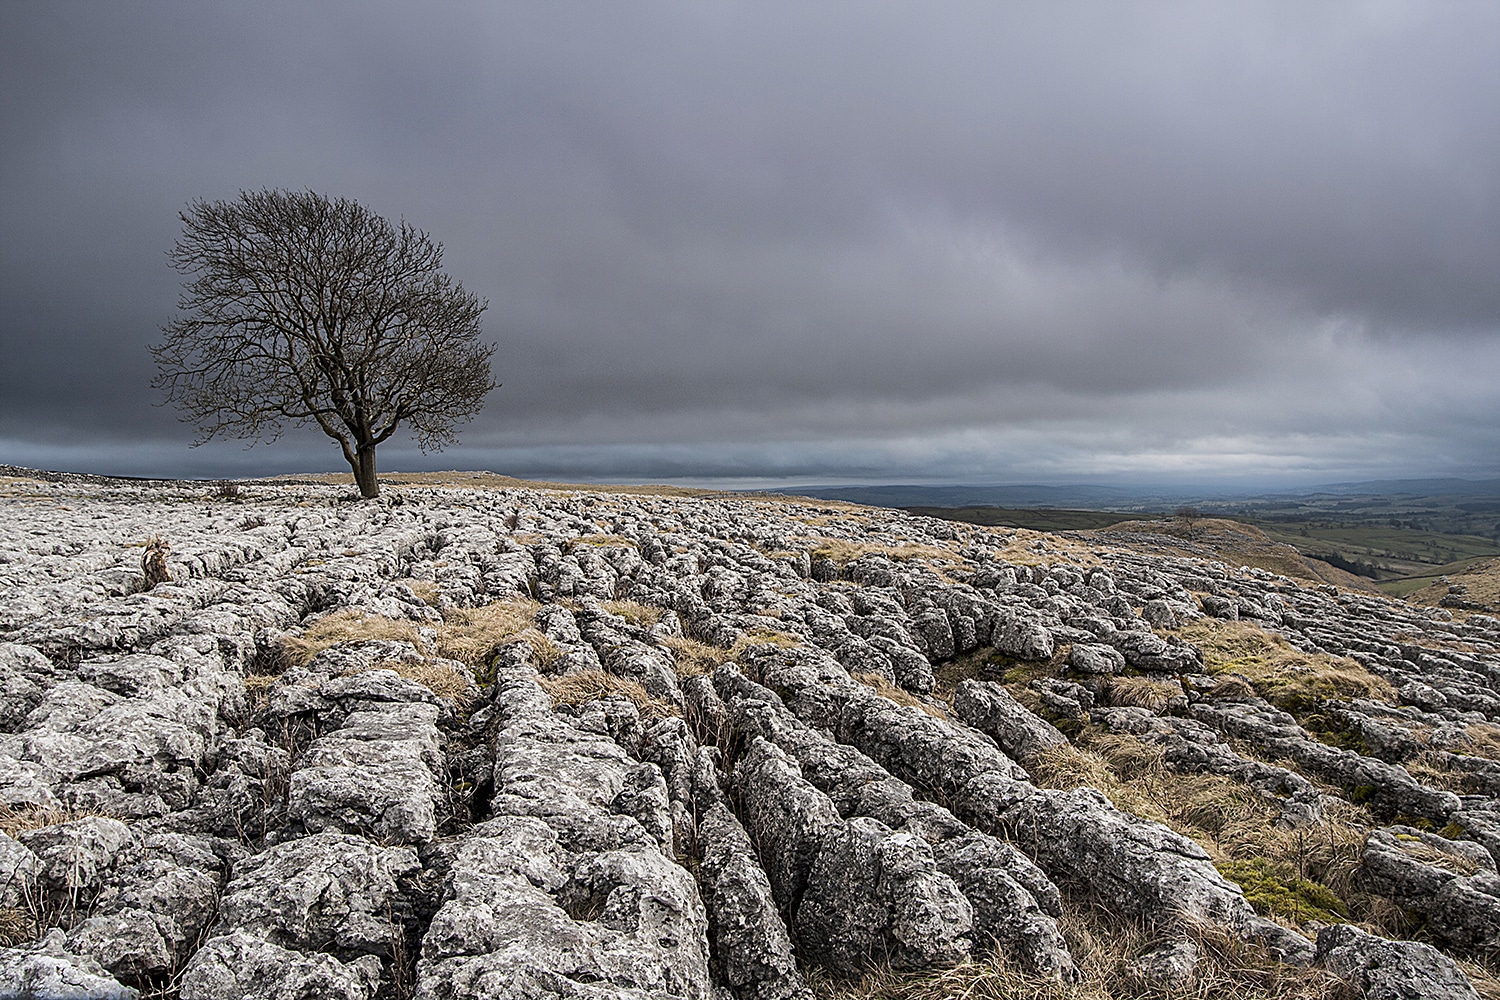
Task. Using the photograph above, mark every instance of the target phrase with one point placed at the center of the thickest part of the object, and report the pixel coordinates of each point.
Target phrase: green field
(1037, 519)
(1383, 553)
(1399, 558)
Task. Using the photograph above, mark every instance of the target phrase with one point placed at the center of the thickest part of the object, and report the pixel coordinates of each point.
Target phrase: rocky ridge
(530, 743)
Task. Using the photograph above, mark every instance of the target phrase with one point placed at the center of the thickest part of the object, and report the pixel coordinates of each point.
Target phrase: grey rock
(1170, 967)
(1391, 970)
(994, 711)
(1095, 658)
(242, 966)
(324, 891)
(46, 970)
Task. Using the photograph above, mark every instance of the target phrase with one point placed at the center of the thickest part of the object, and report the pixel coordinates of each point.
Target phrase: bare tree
(299, 309)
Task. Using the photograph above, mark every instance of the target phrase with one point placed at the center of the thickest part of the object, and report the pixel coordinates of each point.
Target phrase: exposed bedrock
(1013, 901)
(1077, 836)
(568, 888)
(191, 796)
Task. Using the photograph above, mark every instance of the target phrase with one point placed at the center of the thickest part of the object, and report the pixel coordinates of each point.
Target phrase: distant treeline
(1356, 566)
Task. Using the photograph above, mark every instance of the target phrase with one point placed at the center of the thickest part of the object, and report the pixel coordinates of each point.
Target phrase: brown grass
(693, 657)
(258, 691)
(1484, 740)
(634, 612)
(1231, 821)
(427, 591)
(842, 551)
(349, 625)
(1143, 692)
(1103, 945)
(886, 689)
(760, 636)
(469, 634)
(591, 685)
(18, 819)
(441, 679)
(598, 541)
(1281, 674)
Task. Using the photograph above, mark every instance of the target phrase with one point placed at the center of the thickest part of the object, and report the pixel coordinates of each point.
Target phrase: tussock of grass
(761, 636)
(886, 689)
(16, 927)
(1442, 859)
(1103, 946)
(1283, 675)
(1484, 740)
(18, 819)
(349, 625)
(441, 679)
(842, 551)
(469, 634)
(634, 612)
(427, 591)
(1143, 692)
(693, 657)
(599, 541)
(591, 685)
(258, 690)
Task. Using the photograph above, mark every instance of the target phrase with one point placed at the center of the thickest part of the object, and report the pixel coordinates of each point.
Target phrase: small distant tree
(1188, 516)
(304, 309)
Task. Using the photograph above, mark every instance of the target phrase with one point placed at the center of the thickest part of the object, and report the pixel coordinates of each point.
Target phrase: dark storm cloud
(895, 241)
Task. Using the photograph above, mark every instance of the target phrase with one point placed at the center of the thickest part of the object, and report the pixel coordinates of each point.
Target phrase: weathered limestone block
(1391, 970)
(564, 891)
(992, 710)
(47, 970)
(857, 889)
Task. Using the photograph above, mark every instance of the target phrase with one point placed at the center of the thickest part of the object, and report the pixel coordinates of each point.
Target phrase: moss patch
(1275, 889)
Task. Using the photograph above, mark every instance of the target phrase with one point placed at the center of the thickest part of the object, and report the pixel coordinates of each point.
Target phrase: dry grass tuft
(761, 636)
(842, 551)
(634, 612)
(258, 691)
(1484, 740)
(19, 819)
(1232, 822)
(441, 679)
(469, 634)
(16, 927)
(347, 626)
(1103, 946)
(1442, 859)
(591, 685)
(900, 696)
(427, 591)
(599, 541)
(1143, 692)
(1282, 674)
(693, 657)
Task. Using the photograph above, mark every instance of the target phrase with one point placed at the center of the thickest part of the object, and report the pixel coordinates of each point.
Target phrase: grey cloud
(784, 238)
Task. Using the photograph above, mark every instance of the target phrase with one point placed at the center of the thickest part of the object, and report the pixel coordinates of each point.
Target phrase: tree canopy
(298, 309)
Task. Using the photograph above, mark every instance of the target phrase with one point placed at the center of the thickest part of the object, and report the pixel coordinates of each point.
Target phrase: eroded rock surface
(703, 746)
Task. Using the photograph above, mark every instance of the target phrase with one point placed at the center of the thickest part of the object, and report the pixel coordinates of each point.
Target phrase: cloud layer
(975, 242)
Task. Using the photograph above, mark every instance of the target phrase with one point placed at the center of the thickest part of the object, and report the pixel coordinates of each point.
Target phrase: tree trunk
(364, 472)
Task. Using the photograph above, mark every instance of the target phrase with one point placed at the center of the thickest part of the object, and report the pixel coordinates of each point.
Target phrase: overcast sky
(994, 242)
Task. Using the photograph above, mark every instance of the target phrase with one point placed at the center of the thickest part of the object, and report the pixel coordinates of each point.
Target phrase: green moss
(1360, 794)
(1330, 732)
(1274, 888)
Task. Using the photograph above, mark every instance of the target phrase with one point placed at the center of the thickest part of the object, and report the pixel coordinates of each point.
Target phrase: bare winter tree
(299, 308)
